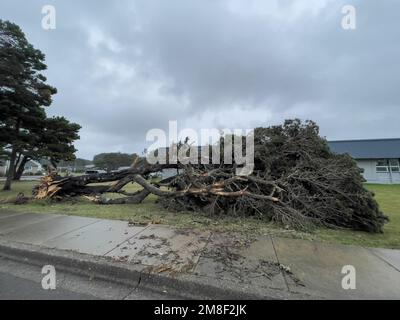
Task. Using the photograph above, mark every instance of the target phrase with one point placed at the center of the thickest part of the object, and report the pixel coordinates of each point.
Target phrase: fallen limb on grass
(296, 182)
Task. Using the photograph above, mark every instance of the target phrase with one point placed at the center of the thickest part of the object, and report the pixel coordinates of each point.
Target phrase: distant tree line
(77, 165)
(105, 161)
(113, 161)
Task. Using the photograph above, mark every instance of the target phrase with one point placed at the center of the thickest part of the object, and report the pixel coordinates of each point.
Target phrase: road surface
(19, 281)
(15, 288)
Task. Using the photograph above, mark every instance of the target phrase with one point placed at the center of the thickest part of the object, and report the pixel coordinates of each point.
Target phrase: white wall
(372, 176)
(2, 171)
(167, 173)
(396, 177)
(3, 168)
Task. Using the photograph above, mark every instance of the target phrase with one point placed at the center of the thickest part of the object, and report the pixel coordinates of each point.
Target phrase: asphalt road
(21, 281)
(15, 288)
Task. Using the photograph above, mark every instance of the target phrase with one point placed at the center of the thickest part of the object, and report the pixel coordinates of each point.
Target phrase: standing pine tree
(23, 93)
(26, 132)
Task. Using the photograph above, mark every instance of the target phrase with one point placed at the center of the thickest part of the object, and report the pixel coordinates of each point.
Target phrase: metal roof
(368, 149)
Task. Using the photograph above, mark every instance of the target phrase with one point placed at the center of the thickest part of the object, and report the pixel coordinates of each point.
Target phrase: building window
(394, 165)
(382, 166)
(388, 165)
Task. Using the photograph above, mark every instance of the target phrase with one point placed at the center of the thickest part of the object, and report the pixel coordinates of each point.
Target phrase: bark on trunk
(52, 186)
(10, 173)
(13, 158)
(20, 170)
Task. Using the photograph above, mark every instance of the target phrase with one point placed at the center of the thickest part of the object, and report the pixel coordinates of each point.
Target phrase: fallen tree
(297, 181)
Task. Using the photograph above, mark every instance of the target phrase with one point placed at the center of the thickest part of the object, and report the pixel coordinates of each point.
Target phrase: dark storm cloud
(124, 67)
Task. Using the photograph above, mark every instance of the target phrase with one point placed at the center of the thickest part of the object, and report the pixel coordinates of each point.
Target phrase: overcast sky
(124, 67)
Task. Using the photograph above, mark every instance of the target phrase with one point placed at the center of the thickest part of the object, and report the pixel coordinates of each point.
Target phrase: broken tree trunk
(54, 186)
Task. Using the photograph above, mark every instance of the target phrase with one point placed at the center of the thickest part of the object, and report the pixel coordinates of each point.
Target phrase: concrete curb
(186, 286)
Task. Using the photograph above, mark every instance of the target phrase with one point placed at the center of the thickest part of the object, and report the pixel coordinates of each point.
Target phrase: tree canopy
(25, 131)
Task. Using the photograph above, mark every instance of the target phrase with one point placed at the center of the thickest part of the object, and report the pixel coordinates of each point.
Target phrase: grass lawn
(388, 197)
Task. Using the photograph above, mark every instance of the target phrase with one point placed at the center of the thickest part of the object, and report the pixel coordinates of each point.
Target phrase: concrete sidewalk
(199, 264)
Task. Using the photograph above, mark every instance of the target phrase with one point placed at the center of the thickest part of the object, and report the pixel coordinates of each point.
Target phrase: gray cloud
(125, 67)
